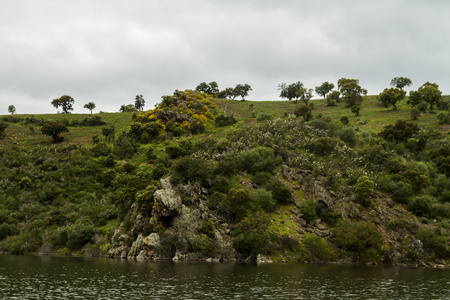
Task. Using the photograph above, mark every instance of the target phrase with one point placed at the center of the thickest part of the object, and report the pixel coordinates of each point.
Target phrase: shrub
(401, 192)
(8, 230)
(316, 248)
(197, 127)
(344, 120)
(264, 200)
(145, 200)
(361, 238)
(421, 205)
(280, 192)
(260, 159)
(3, 126)
(251, 236)
(308, 211)
(261, 178)
(263, 117)
(223, 120)
(189, 169)
(363, 190)
(158, 171)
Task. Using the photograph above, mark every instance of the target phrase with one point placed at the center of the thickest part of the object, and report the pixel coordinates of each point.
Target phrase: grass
(29, 134)
(373, 117)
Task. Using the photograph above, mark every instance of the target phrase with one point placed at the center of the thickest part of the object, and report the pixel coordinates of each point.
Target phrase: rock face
(167, 201)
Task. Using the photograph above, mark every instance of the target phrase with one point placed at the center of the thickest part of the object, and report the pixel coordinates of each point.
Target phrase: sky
(107, 52)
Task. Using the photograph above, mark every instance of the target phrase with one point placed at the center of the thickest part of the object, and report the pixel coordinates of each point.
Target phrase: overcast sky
(110, 51)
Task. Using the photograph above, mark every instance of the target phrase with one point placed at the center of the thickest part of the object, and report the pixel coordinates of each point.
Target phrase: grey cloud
(108, 52)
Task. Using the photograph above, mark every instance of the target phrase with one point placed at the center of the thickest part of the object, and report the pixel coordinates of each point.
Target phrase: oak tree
(65, 102)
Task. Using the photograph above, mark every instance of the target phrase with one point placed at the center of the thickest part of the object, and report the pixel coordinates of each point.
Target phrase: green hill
(203, 178)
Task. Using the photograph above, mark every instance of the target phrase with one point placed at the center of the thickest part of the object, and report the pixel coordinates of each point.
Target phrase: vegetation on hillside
(334, 185)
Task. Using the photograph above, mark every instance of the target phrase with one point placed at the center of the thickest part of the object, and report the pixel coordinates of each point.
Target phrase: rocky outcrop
(167, 201)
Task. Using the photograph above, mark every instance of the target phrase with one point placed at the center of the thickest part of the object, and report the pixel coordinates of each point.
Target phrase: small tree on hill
(211, 88)
(54, 129)
(304, 95)
(90, 106)
(324, 89)
(242, 90)
(401, 82)
(290, 91)
(351, 91)
(428, 92)
(12, 109)
(65, 102)
(401, 131)
(391, 96)
(139, 102)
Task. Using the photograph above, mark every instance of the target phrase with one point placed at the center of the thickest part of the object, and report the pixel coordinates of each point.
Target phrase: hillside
(204, 178)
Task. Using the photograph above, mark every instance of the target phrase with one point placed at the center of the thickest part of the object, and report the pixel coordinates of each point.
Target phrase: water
(34, 277)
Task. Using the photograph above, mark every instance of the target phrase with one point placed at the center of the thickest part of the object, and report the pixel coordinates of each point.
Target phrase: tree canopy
(290, 91)
(324, 89)
(211, 88)
(428, 92)
(391, 96)
(90, 106)
(351, 91)
(12, 109)
(65, 102)
(139, 102)
(401, 131)
(401, 82)
(54, 129)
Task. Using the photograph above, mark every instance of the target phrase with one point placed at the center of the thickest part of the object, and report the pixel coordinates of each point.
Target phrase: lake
(37, 277)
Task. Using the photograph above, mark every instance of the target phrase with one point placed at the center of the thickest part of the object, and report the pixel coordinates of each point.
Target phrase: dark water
(33, 277)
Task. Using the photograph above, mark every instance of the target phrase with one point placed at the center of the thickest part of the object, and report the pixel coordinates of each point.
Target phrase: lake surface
(35, 277)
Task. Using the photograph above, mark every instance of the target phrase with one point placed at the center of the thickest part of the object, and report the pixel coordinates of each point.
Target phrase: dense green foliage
(353, 193)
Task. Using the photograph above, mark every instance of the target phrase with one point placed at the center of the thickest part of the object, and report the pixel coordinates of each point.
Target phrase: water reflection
(30, 277)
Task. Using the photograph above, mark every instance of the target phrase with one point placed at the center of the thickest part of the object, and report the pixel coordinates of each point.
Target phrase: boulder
(167, 201)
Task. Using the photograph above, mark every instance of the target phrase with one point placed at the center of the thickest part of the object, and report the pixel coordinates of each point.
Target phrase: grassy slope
(23, 135)
(373, 117)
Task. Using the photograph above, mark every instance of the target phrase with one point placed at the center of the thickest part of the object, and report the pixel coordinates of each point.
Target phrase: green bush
(308, 211)
(251, 236)
(280, 192)
(421, 205)
(222, 120)
(263, 199)
(317, 249)
(189, 169)
(260, 159)
(8, 230)
(361, 238)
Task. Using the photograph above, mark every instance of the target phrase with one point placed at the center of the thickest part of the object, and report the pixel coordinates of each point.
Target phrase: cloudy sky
(110, 51)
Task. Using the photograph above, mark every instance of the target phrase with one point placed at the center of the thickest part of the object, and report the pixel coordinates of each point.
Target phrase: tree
(324, 89)
(290, 91)
(54, 129)
(363, 190)
(401, 131)
(66, 103)
(351, 91)
(139, 102)
(303, 111)
(12, 109)
(401, 82)
(90, 106)
(211, 88)
(304, 95)
(333, 97)
(391, 96)
(428, 92)
(242, 90)
(227, 93)
(127, 108)
(355, 109)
